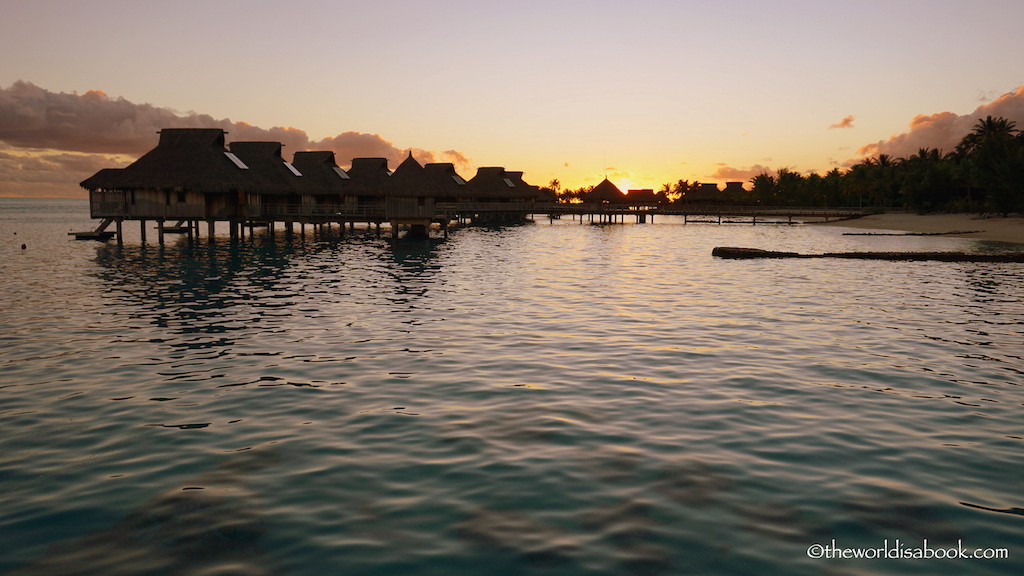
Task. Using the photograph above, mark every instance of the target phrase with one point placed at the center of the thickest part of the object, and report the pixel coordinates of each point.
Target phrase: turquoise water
(555, 398)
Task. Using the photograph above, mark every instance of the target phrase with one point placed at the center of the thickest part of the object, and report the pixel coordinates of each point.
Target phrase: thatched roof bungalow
(324, 179)
(492, 184)
(525, 192)
(450, 186)
(281, 187)
(645, 197)
(605, 193)
(367, 179)
(189, 174)
(410, 192)
(707, 194)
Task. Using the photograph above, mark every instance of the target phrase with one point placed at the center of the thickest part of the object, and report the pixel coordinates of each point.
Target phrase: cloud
(944, 130)
(46, 174)
(730, 174)
(62, 126)
(844, 123)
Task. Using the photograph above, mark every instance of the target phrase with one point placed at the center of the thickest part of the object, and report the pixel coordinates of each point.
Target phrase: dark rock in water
(740, 253)
(731, 252)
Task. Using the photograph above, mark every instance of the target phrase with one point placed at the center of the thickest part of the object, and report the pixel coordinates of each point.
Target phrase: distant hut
(410, 193)
(367, 180)
(605, 193)
(524, 192)
(280, 193)
(327, 185)
(450, 186)
(706, 195)
(734, 193)
(189, 175)
(645, 197)
(492, 185)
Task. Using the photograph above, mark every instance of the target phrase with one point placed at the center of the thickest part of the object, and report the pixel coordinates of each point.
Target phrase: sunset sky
(644, 92)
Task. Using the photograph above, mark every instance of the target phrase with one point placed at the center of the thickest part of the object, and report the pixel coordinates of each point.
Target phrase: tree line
(984, 173)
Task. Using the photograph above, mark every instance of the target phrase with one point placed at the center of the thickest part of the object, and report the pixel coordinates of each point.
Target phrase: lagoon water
(555, 398)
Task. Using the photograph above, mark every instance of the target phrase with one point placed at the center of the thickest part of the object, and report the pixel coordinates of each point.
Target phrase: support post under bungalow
(209, 231)
(120, 237)
(160, 231)
(142, 229)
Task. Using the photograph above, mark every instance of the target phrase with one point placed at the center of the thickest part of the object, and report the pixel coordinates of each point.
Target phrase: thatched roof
(410, 179)
(706, 193)
(446, 180)
(269, 167)
(321, 173)
(368, 176)
(644, 197)
(605, 192)
(524, 190)
(491, 183)
(184, 158)
(105, 179)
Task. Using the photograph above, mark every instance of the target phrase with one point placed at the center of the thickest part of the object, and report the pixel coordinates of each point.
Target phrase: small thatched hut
(492, 184)
(605, 193)
(450, 186)
(327, 185)
(279, 193)
(367, 180)
(410, 192)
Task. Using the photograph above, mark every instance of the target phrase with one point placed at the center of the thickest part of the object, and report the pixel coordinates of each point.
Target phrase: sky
(644, 93)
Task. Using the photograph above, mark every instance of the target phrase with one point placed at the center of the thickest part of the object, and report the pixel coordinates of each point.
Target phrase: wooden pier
(346, 217)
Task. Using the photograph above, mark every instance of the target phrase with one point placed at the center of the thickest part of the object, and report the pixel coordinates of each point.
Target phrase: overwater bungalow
(327, 183)
(413, 199)
(367, 179)
(706, 195)
(189, 176)
(451, 187)
(281, 191)
(605, 193)
(645, 197)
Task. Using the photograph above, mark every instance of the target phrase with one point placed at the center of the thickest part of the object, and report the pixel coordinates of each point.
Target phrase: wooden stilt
(142, 229)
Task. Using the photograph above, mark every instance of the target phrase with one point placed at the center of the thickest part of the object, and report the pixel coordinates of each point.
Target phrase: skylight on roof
(344, 175)
(238, 162)
(458, 179)
(509, 183)
(293, 169)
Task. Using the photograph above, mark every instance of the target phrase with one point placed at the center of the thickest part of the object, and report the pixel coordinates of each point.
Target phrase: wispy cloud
(944, 130)
(61, 127)
(846, 122)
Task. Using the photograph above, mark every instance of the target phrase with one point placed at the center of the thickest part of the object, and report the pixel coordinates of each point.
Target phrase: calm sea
(554, 398)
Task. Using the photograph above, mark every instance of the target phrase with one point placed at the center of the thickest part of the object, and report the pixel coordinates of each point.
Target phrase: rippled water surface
(555, 398)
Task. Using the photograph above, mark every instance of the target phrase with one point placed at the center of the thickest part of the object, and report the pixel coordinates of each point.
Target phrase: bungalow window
(181, 196)
(421, 201)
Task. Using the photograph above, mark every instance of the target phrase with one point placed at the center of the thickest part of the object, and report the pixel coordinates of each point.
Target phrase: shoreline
(993, 228)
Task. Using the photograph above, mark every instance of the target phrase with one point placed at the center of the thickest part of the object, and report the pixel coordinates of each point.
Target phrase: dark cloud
(944, 130)
(844, 123)
(64, 126)
(48, 174)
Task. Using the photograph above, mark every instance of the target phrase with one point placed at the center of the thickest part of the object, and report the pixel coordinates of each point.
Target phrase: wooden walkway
(266, 215)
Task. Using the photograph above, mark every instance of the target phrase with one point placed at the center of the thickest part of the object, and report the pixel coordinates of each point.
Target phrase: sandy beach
(995, 228)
